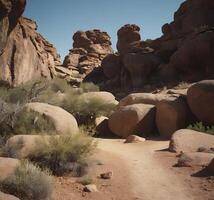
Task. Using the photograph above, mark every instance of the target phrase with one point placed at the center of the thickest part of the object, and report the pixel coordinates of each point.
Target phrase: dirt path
(151, 173)
(142, 171)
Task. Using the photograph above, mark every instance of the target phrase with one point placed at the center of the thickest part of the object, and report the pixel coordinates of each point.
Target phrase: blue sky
(58, 20)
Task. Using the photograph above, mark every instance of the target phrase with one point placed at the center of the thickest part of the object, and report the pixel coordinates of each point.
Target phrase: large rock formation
(184, 53)
(89, 49)
(25, 54)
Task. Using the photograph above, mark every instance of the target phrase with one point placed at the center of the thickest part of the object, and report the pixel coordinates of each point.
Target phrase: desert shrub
(199, 126)
(182, 85)
(86, 110)
(58, 152)
(33, 123)
(24, 93)
(89, 87)
(59, 85)
(8, 117)
(29, 182)
(86, 180)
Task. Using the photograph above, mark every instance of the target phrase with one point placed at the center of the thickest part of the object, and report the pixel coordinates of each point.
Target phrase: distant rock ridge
(184, 53)
(89, 49)
(25, 54)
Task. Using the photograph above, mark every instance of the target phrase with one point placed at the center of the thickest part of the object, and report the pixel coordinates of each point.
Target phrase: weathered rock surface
(145, 98)
(63, 121)
(104, 97)
(27, 55)
(4, 196)
(195, 159)
(10, 11)
(23, 146)
(134, 139)
(7, 167)
(186, 140)
(183, 53)
(136, 118)
(89, 49)
(200, 97)
(171, 115)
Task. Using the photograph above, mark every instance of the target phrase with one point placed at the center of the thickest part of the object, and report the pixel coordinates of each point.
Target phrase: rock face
(89, 49)
(24, 54)
(171, 115)
(136, 118)
(10, 11)
(7, 167)
(63, 121)
(183, 53)
(200, 98)
(190, 141)
(195, 159)
(24, 146)
(4, 196)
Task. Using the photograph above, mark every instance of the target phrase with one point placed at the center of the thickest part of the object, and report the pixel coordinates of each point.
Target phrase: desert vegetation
(29, 182)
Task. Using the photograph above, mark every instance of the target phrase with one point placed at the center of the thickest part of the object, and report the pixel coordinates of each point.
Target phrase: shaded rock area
(183, 53)
(24, 53)
(89, 49)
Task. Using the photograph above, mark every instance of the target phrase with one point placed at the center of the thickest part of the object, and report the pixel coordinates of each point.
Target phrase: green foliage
(85, 110)
(29, 183)
(56, 152)
(33, 123)
(89, 87)
(199, 126)
(86, 180)
(8, 117)
(24, 93)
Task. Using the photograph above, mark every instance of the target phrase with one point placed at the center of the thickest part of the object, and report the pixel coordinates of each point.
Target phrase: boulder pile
(89, 49)
(183, 53)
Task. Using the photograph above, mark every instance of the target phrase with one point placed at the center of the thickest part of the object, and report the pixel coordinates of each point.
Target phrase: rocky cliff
(89, 49)
(184, 53)
(25, 54)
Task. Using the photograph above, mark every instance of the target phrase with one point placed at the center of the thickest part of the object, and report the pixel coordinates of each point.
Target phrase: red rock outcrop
(25, 54)
(89, 49)
(184, 53)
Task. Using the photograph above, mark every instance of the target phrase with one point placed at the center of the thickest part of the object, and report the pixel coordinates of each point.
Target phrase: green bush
(89, 87)
(33, 123)
(29, 183)
(86, 110)
(199, 126)
(58, 152)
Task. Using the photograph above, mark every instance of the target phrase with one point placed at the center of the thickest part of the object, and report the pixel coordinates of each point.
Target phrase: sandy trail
(150, 177)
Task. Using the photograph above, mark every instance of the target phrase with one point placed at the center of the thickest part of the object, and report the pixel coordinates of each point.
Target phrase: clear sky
(58, 20)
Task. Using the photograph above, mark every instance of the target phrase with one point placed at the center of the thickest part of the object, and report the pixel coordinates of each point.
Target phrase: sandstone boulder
(172, 115)
(140, 66)
(4, 196)
(145, 98)
(195, 159)
(136, 118)
(63, 121)
(127, 34)
(7, 167)
(134, 139)
(186, 140)
(104, 97)
(200, 99)
(24, 146)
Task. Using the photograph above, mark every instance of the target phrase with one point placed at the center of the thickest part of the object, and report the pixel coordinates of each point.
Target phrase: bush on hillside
(29, 183)
(59, 152)
(89, 87)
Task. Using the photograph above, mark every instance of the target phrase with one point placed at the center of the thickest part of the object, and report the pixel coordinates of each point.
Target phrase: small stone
(90, 188)
(106, 175)
(134, 139)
